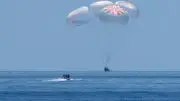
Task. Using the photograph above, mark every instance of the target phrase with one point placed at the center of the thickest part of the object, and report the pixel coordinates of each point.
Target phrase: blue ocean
(90, 86)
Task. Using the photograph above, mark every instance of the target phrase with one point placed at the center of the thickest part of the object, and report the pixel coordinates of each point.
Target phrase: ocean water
(90, 86)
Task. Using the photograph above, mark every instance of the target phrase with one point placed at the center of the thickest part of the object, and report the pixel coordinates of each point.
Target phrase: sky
(35, 37)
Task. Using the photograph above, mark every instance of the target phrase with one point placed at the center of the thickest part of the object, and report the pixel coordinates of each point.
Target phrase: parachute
(79, 16)
(129, 7)
(95, 7)
(113, 14)
(106, 11)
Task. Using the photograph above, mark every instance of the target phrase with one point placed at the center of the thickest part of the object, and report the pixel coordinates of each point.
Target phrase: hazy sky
(34, 36)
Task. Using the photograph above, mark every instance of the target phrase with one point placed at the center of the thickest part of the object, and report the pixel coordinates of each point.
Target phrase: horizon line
(88, 71)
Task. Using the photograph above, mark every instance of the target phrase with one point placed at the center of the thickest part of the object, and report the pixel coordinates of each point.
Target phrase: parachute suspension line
(108, 46)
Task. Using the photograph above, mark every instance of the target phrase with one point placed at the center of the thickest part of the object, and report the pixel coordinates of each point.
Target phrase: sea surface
(90, 86)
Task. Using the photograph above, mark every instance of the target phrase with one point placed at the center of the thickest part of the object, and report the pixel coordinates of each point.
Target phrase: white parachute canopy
(113, 14)
(79, 16)
(95, 7)
(129, 7)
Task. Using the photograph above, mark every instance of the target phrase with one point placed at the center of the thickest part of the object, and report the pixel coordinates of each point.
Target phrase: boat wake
(62, 80)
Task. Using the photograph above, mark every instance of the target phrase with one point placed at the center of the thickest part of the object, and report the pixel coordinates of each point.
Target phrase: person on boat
(66, 76)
